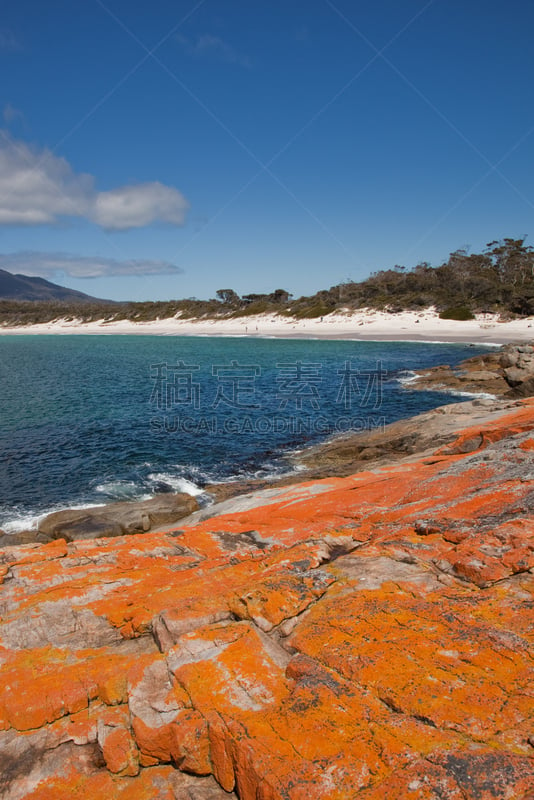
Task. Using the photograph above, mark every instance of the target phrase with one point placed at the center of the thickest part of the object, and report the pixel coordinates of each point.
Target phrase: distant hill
(24, 287)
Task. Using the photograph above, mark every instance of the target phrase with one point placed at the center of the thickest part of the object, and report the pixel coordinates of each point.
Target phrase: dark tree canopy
(228, 296)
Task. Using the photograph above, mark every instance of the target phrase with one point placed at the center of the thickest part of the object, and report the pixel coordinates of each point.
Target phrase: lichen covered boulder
(357, 638)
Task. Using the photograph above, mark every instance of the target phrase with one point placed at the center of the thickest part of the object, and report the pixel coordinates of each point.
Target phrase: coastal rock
(515, 376)
(480, 375)
(117, 519)
(398, 442)
(509, 372)
(525, 389)
(22, 537)
(364, 637)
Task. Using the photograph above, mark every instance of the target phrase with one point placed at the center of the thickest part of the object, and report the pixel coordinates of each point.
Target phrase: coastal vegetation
(498, 280)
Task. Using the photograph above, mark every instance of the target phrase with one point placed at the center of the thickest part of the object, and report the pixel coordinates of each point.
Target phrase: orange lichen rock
(359, 638)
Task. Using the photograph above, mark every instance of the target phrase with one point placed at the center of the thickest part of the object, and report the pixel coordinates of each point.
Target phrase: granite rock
(116, 519)
(508, 372)
(366, 637)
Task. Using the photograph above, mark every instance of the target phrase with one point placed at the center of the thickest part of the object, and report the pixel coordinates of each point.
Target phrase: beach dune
(364, 324)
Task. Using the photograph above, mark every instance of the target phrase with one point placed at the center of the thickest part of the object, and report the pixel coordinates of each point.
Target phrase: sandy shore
(361, 325)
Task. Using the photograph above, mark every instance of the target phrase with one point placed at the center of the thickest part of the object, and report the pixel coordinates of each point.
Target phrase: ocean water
(93, 419)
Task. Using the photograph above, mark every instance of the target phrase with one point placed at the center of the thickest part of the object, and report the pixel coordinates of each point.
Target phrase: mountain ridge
(15, 286)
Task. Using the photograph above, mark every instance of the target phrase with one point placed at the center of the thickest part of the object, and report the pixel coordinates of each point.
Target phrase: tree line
(499, 279)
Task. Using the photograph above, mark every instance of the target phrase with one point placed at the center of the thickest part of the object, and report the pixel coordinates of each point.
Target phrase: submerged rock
(356, 638)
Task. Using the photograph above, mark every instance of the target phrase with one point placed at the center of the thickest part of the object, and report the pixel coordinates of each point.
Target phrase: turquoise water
(92, 419)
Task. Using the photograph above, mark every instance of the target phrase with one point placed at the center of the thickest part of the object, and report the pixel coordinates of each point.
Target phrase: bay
(92, 419)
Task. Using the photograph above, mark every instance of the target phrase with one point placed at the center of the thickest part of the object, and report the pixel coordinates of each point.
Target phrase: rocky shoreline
(113, 519)
(506, 374)
(364, 637)
(346, 454)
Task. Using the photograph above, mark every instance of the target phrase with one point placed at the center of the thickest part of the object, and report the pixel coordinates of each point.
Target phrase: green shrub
(311, 312)
(460, 313)
(258, 307)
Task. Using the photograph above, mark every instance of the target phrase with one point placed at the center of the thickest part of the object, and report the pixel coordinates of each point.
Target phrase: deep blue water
(91, 419)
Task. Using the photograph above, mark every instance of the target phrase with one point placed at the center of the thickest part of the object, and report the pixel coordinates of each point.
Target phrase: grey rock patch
(167, 629)
(60, 625)
(242, 541)
(188, 787)
(149, 700)
(262, 497)
(118, 519)
(371, 572)
(26, 761)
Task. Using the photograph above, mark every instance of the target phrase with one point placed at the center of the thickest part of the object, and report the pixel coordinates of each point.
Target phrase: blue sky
(168, 149)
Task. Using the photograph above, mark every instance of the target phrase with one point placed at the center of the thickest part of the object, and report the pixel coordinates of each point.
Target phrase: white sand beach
(364, 324)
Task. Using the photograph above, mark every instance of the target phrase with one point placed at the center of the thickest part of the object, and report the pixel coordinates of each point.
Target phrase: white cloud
(38, 187)
(50, 265)
(137, 206)
(214, 46)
